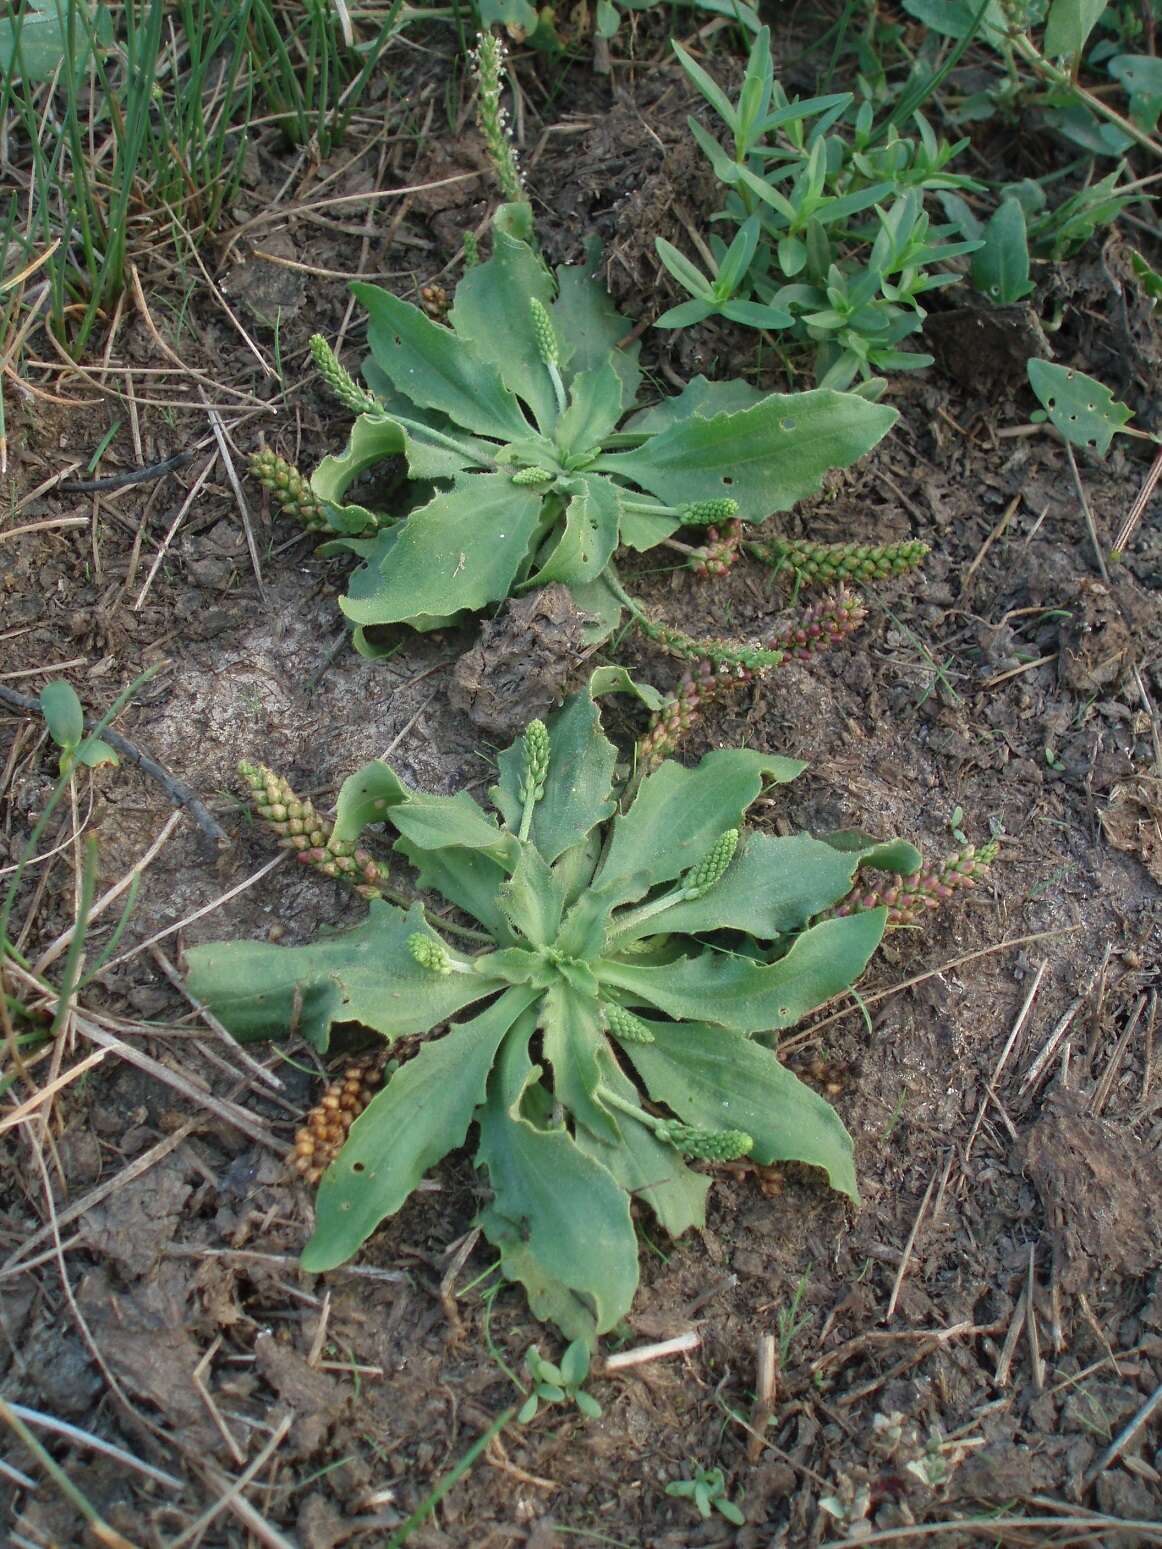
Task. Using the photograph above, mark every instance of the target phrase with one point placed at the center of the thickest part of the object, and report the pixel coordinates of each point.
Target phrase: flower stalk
(291, 491)
(339, 380)
(300, 827)
(492, 120)
(909, 899)
(704, 1145)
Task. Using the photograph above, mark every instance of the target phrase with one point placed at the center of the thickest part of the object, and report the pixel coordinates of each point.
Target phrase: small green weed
(706, 1488)
(624, 960)
(563, 1384)
(801, 262)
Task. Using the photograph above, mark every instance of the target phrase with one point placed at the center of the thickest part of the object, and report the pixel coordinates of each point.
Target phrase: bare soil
(974, 1340)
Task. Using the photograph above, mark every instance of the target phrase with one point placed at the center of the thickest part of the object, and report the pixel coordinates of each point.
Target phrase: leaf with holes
(1086, 413)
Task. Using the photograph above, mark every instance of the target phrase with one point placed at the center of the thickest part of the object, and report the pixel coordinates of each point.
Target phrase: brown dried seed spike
(321, 1137)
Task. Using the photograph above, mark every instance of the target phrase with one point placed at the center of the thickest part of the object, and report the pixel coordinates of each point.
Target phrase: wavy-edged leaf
(533, 898)
(679, 813)
(376, 794)
(362, 975)
(750, 997)
(588, 538)
(422, 1113)
(766, 457)
(560, 1220)
(437, 370)
(775, 885)
(458, 553)
(716, 1079)
(1082, 409)
(470, 879)
(644, 1167)
(579, 789)
(590, 328)
(594, 409)
(574, 1037)
(491, 311)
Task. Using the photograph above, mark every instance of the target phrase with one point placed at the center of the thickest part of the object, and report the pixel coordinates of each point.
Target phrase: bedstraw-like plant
(600, 1031)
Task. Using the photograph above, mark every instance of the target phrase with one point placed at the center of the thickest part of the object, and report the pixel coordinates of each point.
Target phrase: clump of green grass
(126, 130)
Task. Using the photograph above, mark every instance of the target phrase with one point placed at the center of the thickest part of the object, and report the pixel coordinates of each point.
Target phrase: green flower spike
(535, 752)
(340, 381)
(701, 878)
(429, 953)
(546, 337)
(530, 476)
(708, 513)
(705, 1145)
(488, 57)
(289, 488)
(625, 1026)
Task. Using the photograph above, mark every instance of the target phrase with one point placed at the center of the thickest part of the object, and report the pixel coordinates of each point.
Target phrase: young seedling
(65, 721)
(563, 1384)
(707, 1489)
(598, 1026)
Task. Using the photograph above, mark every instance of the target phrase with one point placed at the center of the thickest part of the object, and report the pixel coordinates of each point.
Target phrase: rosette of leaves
(605, 1031)
(527, 457)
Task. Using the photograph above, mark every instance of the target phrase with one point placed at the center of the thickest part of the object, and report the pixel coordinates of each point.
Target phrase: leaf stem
(1032, 55)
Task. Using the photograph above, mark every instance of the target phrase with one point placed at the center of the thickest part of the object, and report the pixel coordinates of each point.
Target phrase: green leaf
(560, 1220)
(618, 680)
(518, 15)
(700, 397)
(423, 1113)
(686, 314)
(459, 552)
(575, 1364)
(373, 439)
(958, 18)
(94, 752)
(590, 329)
(679, 813)
(574, 1036)
(578, 791)
(34, 39)
(533, 899)
(716, 1079)
(707, 85)
(766, 457)
(502, 288)
(594, 409)
(589, 537)
(1069, 24)
(376, 794)
(362, 975)
(1000, 269)
(1141, 76)
(750, 997)
(1085, 412)
(688, 275)
(772, 887)
(600, 604)
(645, 1168)
(437, 370)
(63, 714)
(470, 879)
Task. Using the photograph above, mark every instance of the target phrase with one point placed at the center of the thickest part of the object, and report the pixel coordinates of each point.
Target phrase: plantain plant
(603, 1027)
(528, 457)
